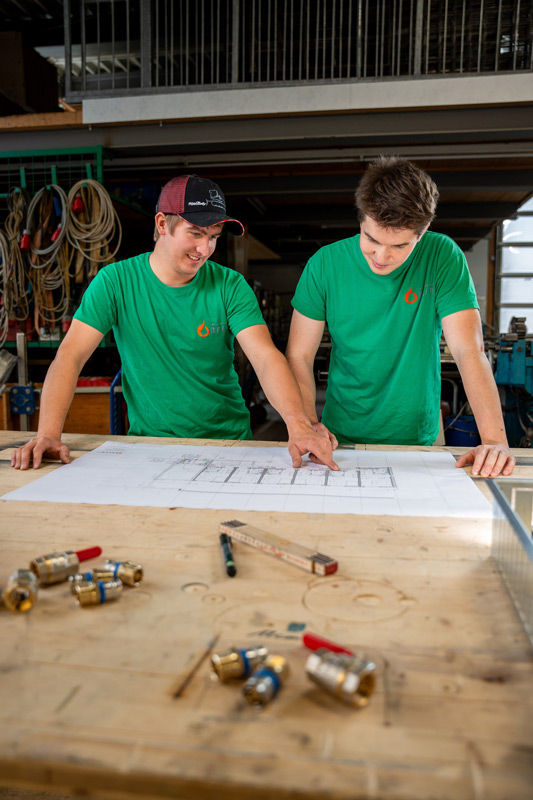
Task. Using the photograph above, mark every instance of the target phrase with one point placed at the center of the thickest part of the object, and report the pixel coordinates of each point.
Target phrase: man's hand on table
(321, 429)
(35, 449)
(488, 460)
(314, 439)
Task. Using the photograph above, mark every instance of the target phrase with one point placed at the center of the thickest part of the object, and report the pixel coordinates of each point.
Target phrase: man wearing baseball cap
(175, 315)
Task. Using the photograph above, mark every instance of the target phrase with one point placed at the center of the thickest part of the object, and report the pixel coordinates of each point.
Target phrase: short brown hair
(172, 222)
(396, 193)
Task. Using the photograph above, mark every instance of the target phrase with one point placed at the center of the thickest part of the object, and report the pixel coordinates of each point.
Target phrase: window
(514, 275)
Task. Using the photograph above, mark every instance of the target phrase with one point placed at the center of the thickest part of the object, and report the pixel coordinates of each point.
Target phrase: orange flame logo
(199, 329)
(410, 296)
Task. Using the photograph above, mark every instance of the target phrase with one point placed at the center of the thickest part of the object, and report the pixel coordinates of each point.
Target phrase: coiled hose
(47, 224)
(15, 289)
(93, 230)
(4, 268)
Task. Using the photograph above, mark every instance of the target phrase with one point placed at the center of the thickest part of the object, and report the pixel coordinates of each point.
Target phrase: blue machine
(22, 399)
(514, 377)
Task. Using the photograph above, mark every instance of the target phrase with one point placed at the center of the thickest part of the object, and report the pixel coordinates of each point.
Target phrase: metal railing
(131, 46)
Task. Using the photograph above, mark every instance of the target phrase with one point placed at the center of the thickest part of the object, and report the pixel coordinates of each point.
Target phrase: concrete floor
(274, 429)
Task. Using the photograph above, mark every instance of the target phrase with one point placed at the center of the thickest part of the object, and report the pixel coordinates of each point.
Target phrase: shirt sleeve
(242, 307)
(310, 296)
(98, 306)
(454, 285)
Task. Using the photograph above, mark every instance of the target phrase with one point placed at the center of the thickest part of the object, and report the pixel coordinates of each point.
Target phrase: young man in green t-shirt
(387, 294)
(175, 315)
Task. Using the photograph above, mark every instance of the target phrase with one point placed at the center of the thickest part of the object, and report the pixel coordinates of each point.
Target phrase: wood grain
(86, 695)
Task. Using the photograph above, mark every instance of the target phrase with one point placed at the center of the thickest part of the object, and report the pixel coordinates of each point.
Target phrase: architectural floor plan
(262, 479)
(203, 471)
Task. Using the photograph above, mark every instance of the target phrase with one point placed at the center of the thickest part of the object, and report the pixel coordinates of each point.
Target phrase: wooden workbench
(86, 695)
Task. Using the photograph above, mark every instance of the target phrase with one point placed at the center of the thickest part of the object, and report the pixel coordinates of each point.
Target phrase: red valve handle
(89, 552)
(314, 642)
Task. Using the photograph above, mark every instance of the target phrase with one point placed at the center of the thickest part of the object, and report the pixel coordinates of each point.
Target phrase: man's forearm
(482, 394)
(281, 389)
(303, 372)
(57, 393)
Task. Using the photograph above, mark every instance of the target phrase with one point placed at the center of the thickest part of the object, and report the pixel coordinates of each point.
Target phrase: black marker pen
(229, 563)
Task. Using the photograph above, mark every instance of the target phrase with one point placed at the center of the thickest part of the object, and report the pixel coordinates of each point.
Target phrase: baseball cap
(198, 201)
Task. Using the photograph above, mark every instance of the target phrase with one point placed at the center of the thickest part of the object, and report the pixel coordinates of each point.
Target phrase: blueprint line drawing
(262, 479)
(206, 471)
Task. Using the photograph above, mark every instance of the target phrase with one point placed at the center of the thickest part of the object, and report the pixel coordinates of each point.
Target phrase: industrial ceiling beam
(509, 180)
(331, 216)
(316, 239)
(475, 125)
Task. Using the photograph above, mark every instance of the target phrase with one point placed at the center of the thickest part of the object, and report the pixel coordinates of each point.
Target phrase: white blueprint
(262, 479)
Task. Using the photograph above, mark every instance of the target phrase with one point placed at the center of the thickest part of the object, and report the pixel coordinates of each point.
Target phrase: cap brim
(203, 219)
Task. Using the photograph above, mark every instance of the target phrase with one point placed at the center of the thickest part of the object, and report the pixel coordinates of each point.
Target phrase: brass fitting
(266, 682)
(103, 574)
(129, 573)
(55, 567)
(349, 678)
(78, 578)
(21, 590)
(238, 663)
(94, 593)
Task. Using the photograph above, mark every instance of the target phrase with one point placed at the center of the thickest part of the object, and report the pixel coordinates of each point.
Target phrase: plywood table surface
(87, 695)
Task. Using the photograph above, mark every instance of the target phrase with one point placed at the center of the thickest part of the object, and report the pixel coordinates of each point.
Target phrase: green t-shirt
(384, 374)
(176, 346)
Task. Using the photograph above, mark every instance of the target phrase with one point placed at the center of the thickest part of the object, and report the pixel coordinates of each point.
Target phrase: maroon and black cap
(198, 201)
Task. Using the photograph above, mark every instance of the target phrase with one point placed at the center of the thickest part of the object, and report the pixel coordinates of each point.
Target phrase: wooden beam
(48, 120)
